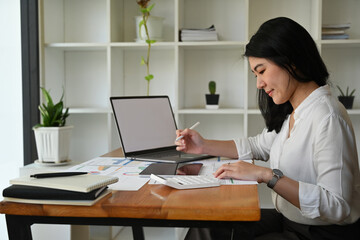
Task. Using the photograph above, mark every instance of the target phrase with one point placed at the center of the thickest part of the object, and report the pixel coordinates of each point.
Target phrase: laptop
(147, 129)
(172, 169)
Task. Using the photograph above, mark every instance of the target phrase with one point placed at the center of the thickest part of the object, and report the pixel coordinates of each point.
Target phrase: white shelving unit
(88, 47)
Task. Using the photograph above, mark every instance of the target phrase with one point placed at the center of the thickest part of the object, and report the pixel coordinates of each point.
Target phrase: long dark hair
(287, 44)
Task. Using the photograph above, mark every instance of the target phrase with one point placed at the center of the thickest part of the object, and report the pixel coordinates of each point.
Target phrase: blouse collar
(304, 106)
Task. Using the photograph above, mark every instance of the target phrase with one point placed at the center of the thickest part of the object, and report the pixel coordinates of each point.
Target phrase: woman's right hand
(192, 141)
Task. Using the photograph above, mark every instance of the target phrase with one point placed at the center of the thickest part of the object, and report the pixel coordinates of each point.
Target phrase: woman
(309, 141)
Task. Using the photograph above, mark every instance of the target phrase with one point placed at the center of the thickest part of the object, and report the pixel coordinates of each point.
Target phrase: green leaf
(52, 115)
(37, 126)
(149, 77)
(57, 114)
(341, 92)
(141, 23)
(142, 61)
(43, 112)
(47, 97)
(144, 10)
(150, 41)
(62, 96)
(346, 94)
(150, 7)
(352, 92)
(64, 116)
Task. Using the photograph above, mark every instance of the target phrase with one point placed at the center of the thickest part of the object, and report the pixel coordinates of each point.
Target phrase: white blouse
(321, 154)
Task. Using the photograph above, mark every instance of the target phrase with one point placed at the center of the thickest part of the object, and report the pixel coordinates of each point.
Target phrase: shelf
(89, 110)
(353, 111)
(212, 44)
(137, 45)
(77, 46)
(198, 45)
(208, 111)
(347, 43)
(253, 111)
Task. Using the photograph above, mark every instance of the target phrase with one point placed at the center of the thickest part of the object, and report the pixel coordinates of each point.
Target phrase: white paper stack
(205, 34)
(335, 31)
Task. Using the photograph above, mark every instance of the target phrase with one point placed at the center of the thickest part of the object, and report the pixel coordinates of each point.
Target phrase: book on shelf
(196, 34)
(342, 26)
(332, 32)
(79, 183)
(342, 36)
(335, 31)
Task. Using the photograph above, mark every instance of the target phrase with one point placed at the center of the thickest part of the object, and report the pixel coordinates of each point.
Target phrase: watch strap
(277, 174)
(272, 182)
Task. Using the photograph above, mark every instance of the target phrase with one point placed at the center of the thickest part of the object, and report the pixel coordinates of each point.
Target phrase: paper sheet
(126, 170)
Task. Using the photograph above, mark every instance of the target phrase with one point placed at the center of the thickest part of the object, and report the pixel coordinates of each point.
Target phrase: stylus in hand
(57, 174)
(192, 127)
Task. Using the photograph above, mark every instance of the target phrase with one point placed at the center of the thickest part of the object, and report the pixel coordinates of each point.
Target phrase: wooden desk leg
(18, 228)
(138, 233)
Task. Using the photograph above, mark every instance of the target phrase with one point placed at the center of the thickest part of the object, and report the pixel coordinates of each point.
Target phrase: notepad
(80, 183)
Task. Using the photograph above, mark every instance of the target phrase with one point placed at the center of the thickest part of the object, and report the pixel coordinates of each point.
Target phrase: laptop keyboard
(161, 154)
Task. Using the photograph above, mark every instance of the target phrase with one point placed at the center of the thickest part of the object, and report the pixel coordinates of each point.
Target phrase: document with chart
(125, 169)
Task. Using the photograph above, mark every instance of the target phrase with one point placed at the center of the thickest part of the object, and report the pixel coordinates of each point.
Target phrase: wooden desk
(233, 207)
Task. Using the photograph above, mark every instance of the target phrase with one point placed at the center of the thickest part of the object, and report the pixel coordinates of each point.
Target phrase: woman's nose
(260, 84)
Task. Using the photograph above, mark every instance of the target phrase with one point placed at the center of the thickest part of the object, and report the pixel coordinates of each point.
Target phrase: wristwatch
(277, 174)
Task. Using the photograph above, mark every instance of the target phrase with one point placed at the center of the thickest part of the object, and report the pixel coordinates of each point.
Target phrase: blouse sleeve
(257, 147)
(335, 156)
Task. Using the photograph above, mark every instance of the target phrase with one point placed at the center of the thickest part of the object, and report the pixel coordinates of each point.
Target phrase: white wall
(11, 136)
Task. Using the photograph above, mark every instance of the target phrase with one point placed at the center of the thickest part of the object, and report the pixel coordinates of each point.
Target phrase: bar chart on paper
(125, 169)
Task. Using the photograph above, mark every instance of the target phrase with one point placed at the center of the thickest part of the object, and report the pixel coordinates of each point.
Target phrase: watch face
(278, 173)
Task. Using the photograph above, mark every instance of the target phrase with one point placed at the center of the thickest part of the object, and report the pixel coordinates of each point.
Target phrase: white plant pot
(53, 143)
(154, 25)
(211, 107)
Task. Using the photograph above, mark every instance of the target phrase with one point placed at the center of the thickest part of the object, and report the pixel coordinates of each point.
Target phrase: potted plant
(147, 25)
(346, 98)
(212, 99)
(52, 136)
(151, 28)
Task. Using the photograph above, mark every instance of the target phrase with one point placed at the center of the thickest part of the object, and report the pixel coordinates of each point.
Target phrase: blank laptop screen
(145, 123)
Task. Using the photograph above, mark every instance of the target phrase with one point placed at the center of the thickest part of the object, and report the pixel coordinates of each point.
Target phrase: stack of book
(84, 190)
(205, 34)
(335, 31)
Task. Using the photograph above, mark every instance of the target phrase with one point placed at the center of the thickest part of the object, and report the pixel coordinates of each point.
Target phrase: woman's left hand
(244, 171)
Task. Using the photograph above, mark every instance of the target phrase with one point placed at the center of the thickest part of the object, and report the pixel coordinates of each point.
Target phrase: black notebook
(31, 192)
(39, 195)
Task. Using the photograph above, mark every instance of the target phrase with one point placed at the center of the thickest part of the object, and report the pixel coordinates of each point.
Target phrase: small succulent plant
(346, 94)
(212, 87)
(52, 114)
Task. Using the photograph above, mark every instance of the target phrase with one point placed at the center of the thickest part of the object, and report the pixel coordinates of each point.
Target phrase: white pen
(192, 127)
